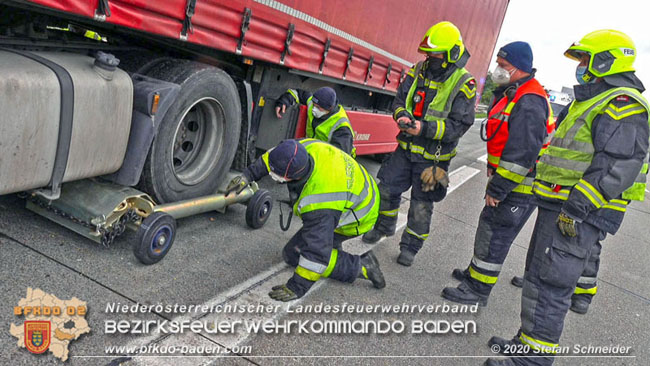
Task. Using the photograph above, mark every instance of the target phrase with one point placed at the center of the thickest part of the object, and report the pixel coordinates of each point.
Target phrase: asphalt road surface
(218, 261)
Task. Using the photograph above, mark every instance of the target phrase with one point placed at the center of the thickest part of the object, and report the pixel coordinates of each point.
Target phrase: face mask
(318, 113)
(278, 178)
(501, 76)
(435, 63)
(580, 73)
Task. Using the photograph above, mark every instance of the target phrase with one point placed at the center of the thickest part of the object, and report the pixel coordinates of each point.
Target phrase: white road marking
(482, 159)
(254, 291)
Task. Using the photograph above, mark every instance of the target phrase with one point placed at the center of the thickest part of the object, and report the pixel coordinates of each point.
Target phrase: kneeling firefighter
(336, 199)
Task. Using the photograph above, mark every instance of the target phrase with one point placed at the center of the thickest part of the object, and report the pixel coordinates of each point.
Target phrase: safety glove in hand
(567, 225)
(237, 184)
(282, 293)
(432, 176)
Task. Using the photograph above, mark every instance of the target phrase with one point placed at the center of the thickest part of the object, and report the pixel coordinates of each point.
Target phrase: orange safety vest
(497, 124)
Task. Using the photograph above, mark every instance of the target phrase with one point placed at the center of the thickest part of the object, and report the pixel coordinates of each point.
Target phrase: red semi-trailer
(167, 96)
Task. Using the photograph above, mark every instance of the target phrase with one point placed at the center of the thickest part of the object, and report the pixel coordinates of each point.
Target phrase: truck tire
(198, 136)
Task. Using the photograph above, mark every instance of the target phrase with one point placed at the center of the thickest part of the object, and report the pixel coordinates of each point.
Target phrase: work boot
(406, 257)
(464, 295)
(495, 362)
(501, 345)
(579, 305)
(517, 281)
(460, 274)
(370, 270)
(373, 236)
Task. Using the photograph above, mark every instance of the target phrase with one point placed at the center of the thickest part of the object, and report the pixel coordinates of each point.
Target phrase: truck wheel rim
(161, 240)
(198, 141)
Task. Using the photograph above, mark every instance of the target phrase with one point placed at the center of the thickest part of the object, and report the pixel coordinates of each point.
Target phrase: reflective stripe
(587, 280)
(493, 160)
(440, 129)
(591, 193)
(265, 159)
(307, 274)
(481, 277)
(625, 111)
(432, 113)
(494, 267)
(390, 213)
(524, 189)
(422, 151)
(510, 175)
(307, 142)
(560, 162)
(537, 344)
(398, 110)
(311, 265)
(419, 236)
(590, 291)
(352, 217)
(515, 168)
(324, 197)
(617, 205)
(542, 190)
(294, 94)
(313, 271)
(336, 126)
(330, 266)
(469, 93)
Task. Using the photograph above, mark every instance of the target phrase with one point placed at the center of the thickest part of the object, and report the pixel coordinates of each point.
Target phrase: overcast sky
(551, 26)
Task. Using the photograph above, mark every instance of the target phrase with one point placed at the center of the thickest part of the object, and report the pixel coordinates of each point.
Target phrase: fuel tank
(62, 118)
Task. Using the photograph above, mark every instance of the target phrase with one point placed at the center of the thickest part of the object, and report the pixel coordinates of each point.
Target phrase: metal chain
(108, 235)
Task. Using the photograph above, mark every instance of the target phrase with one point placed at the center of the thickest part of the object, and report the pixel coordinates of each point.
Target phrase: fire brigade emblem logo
(37, 335)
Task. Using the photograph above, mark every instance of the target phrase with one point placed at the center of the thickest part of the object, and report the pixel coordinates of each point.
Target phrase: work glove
(567, 225)
(431, 179)
(237, 184)
(282, 293)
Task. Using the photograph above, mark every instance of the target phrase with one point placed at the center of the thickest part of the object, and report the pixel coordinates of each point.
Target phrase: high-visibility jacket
(436, 113)
(325, 130)
(561, 168)
(497, 128)
(338, 182)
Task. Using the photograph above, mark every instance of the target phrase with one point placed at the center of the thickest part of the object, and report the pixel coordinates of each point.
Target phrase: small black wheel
(155, 237)
(259, 209)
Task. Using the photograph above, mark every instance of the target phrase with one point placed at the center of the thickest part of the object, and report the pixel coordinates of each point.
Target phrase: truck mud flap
(144, 125)
(273, 130)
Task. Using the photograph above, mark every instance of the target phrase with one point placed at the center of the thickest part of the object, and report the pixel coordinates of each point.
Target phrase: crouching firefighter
(518, 125)
(434, 107)
(326, 118)
(596, 163)
(336, 199)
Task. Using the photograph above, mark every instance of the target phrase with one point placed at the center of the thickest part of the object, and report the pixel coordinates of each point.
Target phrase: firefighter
(518, 124)
(434, 107)
(326, 118)
(336, 199)
(596, 163)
